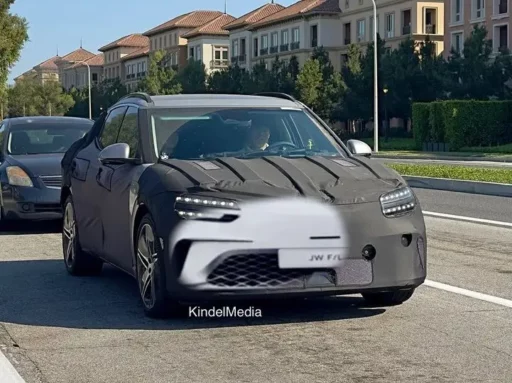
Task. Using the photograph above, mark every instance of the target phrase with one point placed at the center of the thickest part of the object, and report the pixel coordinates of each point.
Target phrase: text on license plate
(311, 258)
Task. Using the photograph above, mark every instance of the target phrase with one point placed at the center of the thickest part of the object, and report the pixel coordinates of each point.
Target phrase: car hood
(336, 180)
(38, 164)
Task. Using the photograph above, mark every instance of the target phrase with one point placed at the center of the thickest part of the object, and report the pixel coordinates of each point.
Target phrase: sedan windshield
(202, 133)
(43, 138)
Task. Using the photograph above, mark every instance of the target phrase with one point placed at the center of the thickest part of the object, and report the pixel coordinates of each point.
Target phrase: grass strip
(502, 176)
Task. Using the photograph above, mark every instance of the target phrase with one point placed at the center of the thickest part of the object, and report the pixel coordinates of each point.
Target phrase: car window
(128, 133)
(195, 133)
(42, 137)
(108, 135)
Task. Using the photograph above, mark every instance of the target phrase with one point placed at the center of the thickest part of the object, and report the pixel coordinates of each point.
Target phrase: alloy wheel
(146, 265)
(69, 234)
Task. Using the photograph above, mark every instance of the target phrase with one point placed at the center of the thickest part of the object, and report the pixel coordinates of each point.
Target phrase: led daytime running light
(208, 202)
(398, 202)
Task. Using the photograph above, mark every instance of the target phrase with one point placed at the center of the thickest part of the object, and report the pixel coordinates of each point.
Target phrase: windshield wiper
(308, 152)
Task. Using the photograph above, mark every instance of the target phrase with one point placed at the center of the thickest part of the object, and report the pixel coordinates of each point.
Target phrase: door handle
(98, 175)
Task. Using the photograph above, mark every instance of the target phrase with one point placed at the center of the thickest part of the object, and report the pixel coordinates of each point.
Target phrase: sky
(59, 25)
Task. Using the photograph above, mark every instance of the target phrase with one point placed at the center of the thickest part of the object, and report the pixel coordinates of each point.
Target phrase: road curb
(473, 187)
(444, 158)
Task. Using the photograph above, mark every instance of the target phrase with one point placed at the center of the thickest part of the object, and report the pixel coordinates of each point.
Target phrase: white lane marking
(469, 293)
(468, 219)
(8, 373)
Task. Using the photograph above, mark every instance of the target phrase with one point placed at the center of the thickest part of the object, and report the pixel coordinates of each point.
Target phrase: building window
(191, 53)
(457, 42)
(314, 36)
(243, 49)
(95, 77)
(143, 66)
(477, 9)
(264, 45)
(234, 48)
(165, 41)
(139, 67)
(295, 38)
(160, 45)
(500, 37)
(500, 7)
(198, 52)
(361, 30)
(406, 22)
(390, 25)
(220, 56)
(255, 47)
(457, 11)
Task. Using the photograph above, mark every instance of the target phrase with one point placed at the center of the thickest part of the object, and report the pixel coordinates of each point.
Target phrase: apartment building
(77, 75)
(42, 72)
(396, 21)
(136, 66)
(462, 15)
(67, 61)
(296, 31)
(113, 66)
(209, 43)
(169, 35)
(240, 37)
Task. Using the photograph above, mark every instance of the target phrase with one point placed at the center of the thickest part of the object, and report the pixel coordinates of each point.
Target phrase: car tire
(392, 298)
(150, 272)
(77, 261)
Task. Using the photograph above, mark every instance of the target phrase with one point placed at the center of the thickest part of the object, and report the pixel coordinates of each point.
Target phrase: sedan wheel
(151, 276)
(77, 261)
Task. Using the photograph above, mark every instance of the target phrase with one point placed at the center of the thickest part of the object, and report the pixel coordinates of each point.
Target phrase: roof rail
(283, 96)
(143, 96)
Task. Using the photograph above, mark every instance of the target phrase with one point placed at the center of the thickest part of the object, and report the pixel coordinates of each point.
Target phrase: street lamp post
(89, 82)
(375, 83)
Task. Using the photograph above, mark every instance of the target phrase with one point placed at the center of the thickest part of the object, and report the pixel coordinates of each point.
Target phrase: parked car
(31, 149)
(215, 196)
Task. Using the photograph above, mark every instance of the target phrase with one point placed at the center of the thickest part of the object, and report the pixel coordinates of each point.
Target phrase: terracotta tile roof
(78, 55)
(214, 27)
(254, 16)
(136, 54)
(299, 9)
(188, 20)
(97, 60)
(48, 64)
(133, 40)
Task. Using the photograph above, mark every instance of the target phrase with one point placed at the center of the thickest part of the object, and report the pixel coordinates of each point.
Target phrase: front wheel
(151, 276)
(392, 298)
(77, 261)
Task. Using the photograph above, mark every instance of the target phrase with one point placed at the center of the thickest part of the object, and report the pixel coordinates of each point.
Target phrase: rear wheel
(151, 276)
(392, 298)
(77, 261)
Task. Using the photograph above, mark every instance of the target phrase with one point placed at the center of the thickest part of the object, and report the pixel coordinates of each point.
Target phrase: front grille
(259, 271)
(52, 181)
(47, 208)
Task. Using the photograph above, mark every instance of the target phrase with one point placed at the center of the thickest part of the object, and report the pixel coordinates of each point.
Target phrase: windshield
(199, 133)
(32, 138)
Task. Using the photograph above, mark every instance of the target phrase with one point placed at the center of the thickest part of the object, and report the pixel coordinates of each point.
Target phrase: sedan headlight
(398, 202)
(18, 177)
(205, 208)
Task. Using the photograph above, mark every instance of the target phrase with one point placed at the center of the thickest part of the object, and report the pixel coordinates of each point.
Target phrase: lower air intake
(259, 271)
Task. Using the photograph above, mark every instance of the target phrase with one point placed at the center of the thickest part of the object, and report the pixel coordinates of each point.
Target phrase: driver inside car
(258, 137)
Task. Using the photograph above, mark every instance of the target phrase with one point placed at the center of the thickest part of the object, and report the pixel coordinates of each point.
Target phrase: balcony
(274, 49)
(347, 41)
(219, 64)
(430, 29)
(406, 30)
(503, 7)
(295, 45)
(285, 47)
(263, 51)
(238, 59)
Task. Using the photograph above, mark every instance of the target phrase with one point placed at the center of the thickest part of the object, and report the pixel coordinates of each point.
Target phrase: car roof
(208, 100)
(13, 121)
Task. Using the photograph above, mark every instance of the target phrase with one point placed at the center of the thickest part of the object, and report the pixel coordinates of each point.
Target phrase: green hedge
(463, 123)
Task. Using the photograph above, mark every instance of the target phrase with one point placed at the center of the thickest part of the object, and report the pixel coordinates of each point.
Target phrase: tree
(54, 102)
(193, 77)
(309, 83)
(24, 98)
(230, 80)
(160, 79)
(13, 35)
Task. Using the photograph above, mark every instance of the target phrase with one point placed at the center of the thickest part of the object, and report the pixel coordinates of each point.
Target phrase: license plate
(311, 258)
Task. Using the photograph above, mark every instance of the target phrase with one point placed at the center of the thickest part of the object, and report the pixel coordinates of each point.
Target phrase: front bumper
(30, 203)
(241, 258)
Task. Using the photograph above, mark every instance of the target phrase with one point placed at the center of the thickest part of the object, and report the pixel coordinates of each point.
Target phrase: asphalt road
(56, 328)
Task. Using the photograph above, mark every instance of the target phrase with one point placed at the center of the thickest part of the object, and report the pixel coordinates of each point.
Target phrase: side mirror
(359, 148)
(117, 154)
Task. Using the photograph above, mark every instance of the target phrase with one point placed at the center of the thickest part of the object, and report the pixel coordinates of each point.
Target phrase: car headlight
(18, 177)
(205, 208)
(398, 202)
